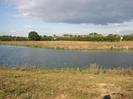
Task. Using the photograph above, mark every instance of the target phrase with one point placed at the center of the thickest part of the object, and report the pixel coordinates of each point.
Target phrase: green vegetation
(34, 36)
(46, 38)
(65, 83)
(13, 38)
(91, 37)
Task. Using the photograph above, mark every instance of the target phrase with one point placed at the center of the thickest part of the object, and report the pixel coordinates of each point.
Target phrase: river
(27, 56)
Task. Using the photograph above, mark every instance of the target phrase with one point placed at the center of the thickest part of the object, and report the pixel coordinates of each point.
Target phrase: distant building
(121, 38)
(84, 35)
(67, 35)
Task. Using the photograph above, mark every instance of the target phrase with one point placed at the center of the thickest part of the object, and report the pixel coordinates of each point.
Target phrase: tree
(113, 37)
(34, 36)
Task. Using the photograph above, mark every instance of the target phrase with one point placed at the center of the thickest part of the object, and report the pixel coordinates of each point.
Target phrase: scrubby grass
(65, 83)
(73, 45)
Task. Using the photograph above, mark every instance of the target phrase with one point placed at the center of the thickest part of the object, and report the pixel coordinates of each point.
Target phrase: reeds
(73, 45)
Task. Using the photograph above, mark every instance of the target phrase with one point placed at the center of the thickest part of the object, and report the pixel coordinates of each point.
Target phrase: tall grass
(73, 45)
(91, 69)
(92, 82)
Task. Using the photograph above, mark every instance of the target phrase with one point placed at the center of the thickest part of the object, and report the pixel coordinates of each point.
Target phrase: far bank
(73, 45)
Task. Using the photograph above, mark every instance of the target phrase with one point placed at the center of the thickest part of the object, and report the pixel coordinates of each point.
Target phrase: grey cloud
(125, 24)
(80, 11)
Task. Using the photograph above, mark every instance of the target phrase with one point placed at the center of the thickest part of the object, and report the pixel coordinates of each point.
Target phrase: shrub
(34, 36)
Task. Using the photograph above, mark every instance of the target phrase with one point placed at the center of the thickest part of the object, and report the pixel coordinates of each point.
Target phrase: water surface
(27, 56)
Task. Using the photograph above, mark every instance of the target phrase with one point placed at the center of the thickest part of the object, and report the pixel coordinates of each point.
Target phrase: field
(89, 83)
(73, 45)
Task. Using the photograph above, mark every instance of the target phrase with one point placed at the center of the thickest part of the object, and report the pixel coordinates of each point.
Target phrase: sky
(49, 17)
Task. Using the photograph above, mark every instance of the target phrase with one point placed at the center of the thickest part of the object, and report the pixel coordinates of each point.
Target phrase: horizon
(19, 17)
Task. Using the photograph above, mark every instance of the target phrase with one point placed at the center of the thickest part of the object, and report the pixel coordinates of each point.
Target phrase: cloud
(121, 28)
(8, 32)
(103, 16)
(79, 11)
(28, 26)
(109, 25)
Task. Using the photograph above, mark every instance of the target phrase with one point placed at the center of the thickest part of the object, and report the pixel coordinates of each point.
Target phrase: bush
(34, 36)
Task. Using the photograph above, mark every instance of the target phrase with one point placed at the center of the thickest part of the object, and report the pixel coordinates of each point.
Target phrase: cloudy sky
(18, 17)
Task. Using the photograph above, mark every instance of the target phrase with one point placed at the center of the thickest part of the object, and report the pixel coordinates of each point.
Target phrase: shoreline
(91, 68)
(73, 45)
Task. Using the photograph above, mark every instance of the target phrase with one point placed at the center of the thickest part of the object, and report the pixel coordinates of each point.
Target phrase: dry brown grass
(79, 45)
(57, 84)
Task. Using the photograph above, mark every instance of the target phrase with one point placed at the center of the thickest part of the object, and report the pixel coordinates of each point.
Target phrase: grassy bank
(89, 83)
(73, 45)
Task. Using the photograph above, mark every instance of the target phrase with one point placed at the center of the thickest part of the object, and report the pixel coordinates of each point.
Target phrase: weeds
(93, 82)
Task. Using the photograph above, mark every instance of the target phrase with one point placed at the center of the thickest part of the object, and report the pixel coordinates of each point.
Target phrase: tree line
(34, 36)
